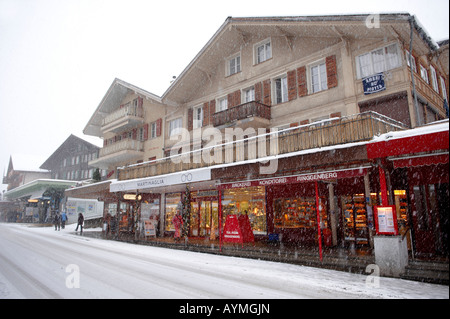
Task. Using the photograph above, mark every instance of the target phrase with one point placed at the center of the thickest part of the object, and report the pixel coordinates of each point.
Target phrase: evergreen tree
(96, 176)
(186, 213)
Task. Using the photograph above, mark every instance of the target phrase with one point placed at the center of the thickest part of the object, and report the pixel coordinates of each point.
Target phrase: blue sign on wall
(374, 83)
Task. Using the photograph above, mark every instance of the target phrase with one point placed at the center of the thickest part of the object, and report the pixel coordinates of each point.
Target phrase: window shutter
(158, 127)
(267, 93)
(230, 98)
(205, 114)
(212, 110)
(146, 132)
(292, 85)
(330, 62)
(135, 134)
(190, 119)
(140, 101)
(258, 92)
(301, 78)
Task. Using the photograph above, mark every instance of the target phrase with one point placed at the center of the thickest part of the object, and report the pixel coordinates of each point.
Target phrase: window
(249, 95)
(318, 78)
(198, 117)
(234, 65)
(281, 93)
(153, 130)
(222, 104)
(444, 88)
(408, 57)
(263, 51)
(175, 126)
(434, 79)
(424, 74)
(376, 61)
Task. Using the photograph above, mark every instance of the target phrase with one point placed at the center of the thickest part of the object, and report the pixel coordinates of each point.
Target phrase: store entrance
(205, 218)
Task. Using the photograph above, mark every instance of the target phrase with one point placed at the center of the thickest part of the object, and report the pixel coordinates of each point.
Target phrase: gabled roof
(116, 93)
(237, 32)
(64, 150)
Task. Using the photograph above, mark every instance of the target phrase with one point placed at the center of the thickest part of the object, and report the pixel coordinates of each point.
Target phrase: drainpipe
(416, 105)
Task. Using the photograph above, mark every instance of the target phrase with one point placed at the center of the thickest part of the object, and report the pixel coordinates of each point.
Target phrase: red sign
(303, 178)
(238, 230)
(386, 220)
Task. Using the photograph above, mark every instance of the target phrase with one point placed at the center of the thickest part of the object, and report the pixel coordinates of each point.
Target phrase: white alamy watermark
(73, 279)
(373, 21)
(211, 146)
(373, 279)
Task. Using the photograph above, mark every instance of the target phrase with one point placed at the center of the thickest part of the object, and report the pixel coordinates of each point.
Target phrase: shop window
(355, 219)
(248, 201)
(299, 212)
(173, 201)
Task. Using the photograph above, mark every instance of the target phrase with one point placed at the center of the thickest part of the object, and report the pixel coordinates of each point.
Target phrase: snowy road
(42, 263)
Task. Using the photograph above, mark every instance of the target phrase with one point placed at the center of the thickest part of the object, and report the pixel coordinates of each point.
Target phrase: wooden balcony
(127, 116)
(124, 150)
(350, 129)
(241, 112)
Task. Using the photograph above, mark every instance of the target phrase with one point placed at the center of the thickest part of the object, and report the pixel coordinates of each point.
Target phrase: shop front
(300, 209)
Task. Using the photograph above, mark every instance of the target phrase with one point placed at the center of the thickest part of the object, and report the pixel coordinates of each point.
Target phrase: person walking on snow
(63, 219)
(57, 221)
(80, 223)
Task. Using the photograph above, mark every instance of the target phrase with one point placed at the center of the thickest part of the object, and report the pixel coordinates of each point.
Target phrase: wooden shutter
(146, 132)
(267, 94)
(301, 81)
(140, 101)
(190, 119)
(205, 114)
(212, 110)
(292, 85)
(330, 62)
(158, 127)
(258, 92)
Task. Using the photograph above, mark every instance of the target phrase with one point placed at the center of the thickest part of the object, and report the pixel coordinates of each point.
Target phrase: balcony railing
(355, 128)
(240, 112)
(128, 114)
(123, 145)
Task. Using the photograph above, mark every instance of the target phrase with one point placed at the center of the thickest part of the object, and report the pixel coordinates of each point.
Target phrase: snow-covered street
(39, 262)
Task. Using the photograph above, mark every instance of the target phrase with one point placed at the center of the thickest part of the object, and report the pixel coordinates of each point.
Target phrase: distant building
(70, 160)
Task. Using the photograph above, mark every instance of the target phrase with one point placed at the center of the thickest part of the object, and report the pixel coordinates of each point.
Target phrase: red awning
(414, 161)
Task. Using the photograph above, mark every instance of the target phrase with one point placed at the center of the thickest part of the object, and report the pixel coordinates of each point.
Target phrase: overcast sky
(58, 58)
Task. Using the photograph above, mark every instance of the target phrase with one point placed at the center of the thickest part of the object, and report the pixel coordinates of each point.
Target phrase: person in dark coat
(80, 222)
(57, 221)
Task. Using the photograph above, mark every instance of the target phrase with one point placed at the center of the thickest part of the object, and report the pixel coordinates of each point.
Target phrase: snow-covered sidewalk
(39, 262)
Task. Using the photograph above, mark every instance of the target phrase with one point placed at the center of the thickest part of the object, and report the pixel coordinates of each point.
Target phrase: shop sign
(163, 180)
(304, 178)
(374, 83)
(386, 220)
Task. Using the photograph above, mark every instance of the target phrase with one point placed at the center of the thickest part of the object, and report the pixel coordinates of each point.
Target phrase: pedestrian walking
(57, 221)
(63, 219)
(80, 223)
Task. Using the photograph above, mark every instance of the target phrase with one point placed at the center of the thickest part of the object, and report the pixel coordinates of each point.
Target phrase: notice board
(386, 220)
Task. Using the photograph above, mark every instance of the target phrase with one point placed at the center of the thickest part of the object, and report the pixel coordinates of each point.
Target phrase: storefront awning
(420, 160)
(301, 178)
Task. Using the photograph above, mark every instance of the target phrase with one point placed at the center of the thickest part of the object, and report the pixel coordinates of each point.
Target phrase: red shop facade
(419, 164)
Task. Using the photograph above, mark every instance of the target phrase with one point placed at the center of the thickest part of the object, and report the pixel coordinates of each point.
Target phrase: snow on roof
(28, 162)
(439, 126)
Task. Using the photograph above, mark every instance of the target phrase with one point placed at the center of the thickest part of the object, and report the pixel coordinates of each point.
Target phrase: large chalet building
(295, 122)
